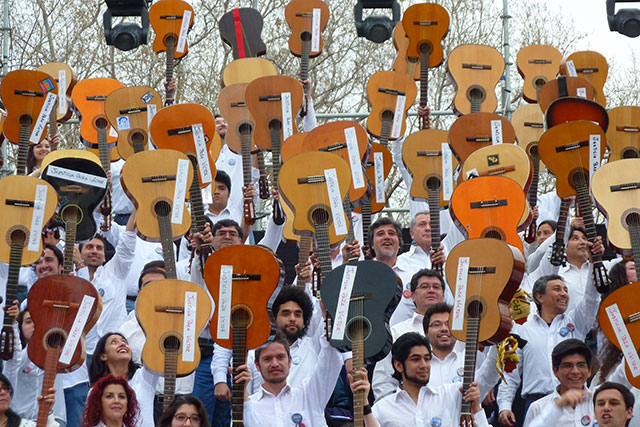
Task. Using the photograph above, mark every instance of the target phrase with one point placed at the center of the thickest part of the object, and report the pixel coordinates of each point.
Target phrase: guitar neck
(323, 246)
(71, 223)
(166, 238)
(104, 152)
(15, 261)
(53, 120)
(50, 371)
(239, 359)
(304, 63)
(346, 204)
(424, 80)
(470, 352)
(23, 149)
(476, 105)
(557, 254)
(434, 219)
(276, 143)
(170, 368)
(357, 346)
(263, 182)
(249, 210)
(385, 132)
(366, 221)
(634, 234)
(533, 189)
(171, 44)
(306, 242)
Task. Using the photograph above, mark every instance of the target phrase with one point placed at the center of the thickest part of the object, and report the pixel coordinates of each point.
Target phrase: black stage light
(625, 21)
(376, 28)
(126, 35)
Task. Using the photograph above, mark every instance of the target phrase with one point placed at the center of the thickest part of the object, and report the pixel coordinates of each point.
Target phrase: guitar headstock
(558, 256)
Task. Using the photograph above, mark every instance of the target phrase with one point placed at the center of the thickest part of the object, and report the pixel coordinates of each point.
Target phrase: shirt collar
(264, 393)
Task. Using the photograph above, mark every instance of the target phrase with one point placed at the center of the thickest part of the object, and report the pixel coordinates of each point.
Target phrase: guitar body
(387, 163)
(154, 199)
(55, 70)
(88, 98)
(299, 16)
(241, 29)
(623, 133)
(508, 160)
(473, 131)
(422, 155)
(258, 276)
(294, 145)
(402, 63)
(528, 123)
(161, 310)
(489, 206)
(591, 66)
(570, 109)
(81, 183)
(374, 296)
(383, 90)
(165, 17)
(495, 272)
(537, 64)
(568, 86)
(234, 110)
(426, 24)
(17, 197)
(126, 110)
(244, 70)
(475, 70)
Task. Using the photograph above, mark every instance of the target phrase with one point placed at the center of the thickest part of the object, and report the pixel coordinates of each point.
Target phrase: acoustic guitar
(564, 86)
(243, 280)
(241, 29)
(66, 79)
(487, 274)
(29, 97)
(128, 110)
(569, 109)
(402, 63)
(157, 182)
(171, 20)
(622, 135)
(589, 65)
(27, 206)
(68, 307)
(172, 314)
(88, 98)
(565, 149)
(390, 95)
(558, 257)
(244, 70)
(537, 64)
(360, 298)
(425, 24)
(422, 154)
(489, 206)
(475, 70)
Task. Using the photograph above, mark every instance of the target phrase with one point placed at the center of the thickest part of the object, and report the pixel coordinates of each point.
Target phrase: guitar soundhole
(476, 94)
(577, 177)
(71, 212)
(320, 216)
(101, 123)
(305, 36)
(534, 150)
(494, 233)
(240, 317)
(17, 236)
(171, 343)
(275, 125)
(245, 129)
(426, 48)
(629, 153)
(26, 120)
(55, 340)
(162, 208)
(170, 38)
(358, 326)
(387, 116)
(632, 219)
(539, 82)
(433, 183)
(137, 138)
(475, 308)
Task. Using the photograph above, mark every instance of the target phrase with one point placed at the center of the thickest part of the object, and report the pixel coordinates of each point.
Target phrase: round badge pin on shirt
(296, 360)
(586, 420)
(296, 418)
(232, 162)
(406, 293)
(436, 422)
(460, 371)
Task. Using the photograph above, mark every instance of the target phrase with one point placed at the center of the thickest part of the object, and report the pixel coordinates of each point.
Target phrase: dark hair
(156, 263)
(216, 115)
(31, 157)
(97, 236)
(223, 177)
(56, 251)
(99, 368)
(628, 397)
(227, 223)
(569, 347)
(384, 220)
(300, 297)
(574, 229)
(553, 224)
(425, 272)
(618, 275)
(278, 338)
(13, 419)
(146, 271)
(413, 220)
(167, 416)
(540, 287)
(20, 319)
(92, 414)
(440, 307)
(401, 349)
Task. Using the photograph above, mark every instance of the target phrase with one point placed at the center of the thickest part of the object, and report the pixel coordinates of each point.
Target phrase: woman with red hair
(111, 403)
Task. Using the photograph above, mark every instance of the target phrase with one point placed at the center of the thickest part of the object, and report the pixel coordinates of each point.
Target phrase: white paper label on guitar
(75, 333)
(581, 92)
(37, 218)
(354, 157)
(344, 299)
(201, 152)
(594, 154)
(189, 328)
(224, 302)
(460, 299)
(378, 173)
(496, 132)
(113, 132)
(152, 109)
(287, 118)
(76, 176)
(123, 123)
(335, 201)
(182, 39)
(207, 198)
(62, 87)
(396, 127)
(447, 172)
(180, 191)
(571, 68)
(43, 118)
(315, 31)
(624, 339)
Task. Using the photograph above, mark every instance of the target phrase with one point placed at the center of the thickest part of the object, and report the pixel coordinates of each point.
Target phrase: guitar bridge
(158, 178)
(391, 91)
(133, 110)
(587, 70)
(573, 146)
(482, 270)
(429, 153)
(534, 125)
(96, 98)
(239, 104)
(625, 187)
(179, 131)
(20, 203)
(245, 277)
(488, 204)
(315, 179)
(171, 17)
(477, 66)
(169, 309)
(540, 61)
(73, 189)
(304, 15)
(334, 147)
(270, 98)
(31, 93)
(478, 139)
(425, 23)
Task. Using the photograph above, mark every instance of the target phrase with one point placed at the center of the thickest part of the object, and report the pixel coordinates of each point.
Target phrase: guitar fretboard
(240, 320)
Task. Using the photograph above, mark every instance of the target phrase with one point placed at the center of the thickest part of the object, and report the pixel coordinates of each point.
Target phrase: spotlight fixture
(376, 28)
(626, 21)
(126, 35)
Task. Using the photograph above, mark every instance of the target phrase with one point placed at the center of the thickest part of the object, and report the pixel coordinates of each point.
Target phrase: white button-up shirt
(545, 413)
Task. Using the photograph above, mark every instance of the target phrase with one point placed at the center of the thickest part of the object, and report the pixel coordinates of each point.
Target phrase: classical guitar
(360, 298)
(81, 183)
(422, 154)
(171, 21)
(274, 102)
(537, 64)
(569, 109)
(244, 70)
(475, 71)
(390, 95)
(425, 24)
(191, 129)
(129, 110)
(27, 206)
(88, 98)
(68, 307)
(157, 182)
(591, 66)
(487, 274)
(66, 79)
(558, 256)
(243, 280)
(314, 185)
(172, 314)
(622, 135)
(307, 20)
(564, 86)
(489, 206)
(476, 130)
(402, 63)
(29, 97)
(241, 29)
(566, 149)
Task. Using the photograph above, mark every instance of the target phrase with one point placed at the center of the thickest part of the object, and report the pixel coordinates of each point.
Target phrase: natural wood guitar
(623, 133)
(66, 79)
(537, 64)
(244, 70)
(402, 63)
(591, 66)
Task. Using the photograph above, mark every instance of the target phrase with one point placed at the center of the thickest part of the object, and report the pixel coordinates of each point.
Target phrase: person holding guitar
(38, 152)
(9, 418)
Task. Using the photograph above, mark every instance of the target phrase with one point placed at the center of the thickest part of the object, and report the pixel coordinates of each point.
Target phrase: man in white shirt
(613, 405)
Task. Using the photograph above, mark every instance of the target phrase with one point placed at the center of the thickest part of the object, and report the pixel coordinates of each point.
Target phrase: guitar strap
(237, 24)
(562, 87)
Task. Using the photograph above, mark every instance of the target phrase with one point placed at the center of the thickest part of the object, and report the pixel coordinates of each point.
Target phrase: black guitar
(241, 30)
